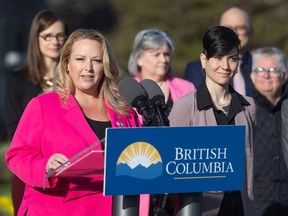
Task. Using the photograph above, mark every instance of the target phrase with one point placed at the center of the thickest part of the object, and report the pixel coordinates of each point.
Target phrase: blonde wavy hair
(108, 86)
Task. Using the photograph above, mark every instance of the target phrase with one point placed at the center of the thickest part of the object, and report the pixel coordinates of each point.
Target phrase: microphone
(154, 92)
(157, 98)
(135, 96)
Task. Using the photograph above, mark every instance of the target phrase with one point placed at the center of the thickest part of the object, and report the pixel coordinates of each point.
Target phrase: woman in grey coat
(215, 102)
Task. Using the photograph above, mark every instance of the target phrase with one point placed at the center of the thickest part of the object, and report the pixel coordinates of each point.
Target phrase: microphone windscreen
(132, 91)
(153, 90)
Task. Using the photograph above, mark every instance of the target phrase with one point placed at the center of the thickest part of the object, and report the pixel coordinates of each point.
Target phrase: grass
(6, 208)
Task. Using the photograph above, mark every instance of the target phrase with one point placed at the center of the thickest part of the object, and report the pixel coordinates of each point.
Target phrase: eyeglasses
(153, 38)
(49, 37)
(239, 28)
(273, 72)
(154, 33)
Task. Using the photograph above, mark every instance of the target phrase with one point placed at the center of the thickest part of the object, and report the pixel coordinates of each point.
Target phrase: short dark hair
(219, 40)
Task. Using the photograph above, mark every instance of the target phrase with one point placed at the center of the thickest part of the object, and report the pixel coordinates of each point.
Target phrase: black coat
(19, 91)
(270, 172)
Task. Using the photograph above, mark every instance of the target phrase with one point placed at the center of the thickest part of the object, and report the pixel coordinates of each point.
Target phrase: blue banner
(156, 160)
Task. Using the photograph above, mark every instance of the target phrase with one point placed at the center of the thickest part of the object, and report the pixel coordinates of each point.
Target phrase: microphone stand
(160, 108)
(147, 120)
(127, 205)
(187, 203)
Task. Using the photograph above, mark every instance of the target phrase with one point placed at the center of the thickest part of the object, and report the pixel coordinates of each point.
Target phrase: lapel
(240, 119)
(116, 119)
(210, 117)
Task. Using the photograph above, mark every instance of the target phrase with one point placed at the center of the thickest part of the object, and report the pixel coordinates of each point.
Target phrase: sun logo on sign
(140, 160)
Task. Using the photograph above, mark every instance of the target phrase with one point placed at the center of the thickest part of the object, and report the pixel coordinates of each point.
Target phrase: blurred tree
(96, 14)
(185, 21)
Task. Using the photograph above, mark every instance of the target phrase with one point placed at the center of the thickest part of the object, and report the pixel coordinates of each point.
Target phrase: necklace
(223, 105)
(48, 82)
(161, 84)
(225, 109)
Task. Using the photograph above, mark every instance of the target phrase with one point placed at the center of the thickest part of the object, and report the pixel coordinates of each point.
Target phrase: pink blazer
(177, 86)
(50, 126)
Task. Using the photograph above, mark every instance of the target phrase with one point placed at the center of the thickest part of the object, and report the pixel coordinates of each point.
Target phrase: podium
(184, 161)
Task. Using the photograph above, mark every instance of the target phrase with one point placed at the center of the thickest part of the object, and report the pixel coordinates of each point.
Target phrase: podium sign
(157, 160)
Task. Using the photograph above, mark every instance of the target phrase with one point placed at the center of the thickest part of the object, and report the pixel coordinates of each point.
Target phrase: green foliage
(187, 21)
(5, 173)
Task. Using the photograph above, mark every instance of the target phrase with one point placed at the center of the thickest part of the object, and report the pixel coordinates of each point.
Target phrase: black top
(18, 92)
(99, 127)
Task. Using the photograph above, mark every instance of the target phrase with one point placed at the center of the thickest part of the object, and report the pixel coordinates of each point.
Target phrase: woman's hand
(54, 161)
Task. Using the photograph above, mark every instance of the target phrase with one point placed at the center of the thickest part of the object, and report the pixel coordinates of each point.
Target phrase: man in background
(240, 21)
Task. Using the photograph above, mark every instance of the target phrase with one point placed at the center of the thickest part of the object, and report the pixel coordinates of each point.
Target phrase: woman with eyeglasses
(269, 90)
(48, 33)
(215, 102)
(151, 58)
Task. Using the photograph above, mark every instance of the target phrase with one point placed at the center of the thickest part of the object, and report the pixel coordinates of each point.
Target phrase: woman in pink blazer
(151, 58)
(57, 125)
(215, 102)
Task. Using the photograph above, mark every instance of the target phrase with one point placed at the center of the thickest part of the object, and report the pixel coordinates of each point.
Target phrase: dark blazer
(19, 91)
(193, 72)
(284, 121)
(270, 171)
